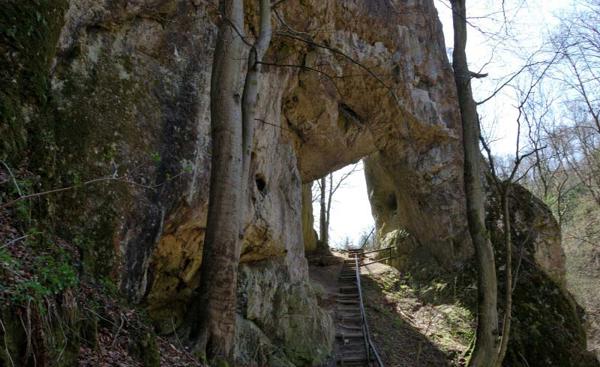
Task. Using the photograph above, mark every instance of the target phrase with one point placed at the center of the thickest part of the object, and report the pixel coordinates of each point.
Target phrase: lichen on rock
(298, 330)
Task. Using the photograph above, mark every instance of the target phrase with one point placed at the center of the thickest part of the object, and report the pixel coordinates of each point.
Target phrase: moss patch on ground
(415, 323)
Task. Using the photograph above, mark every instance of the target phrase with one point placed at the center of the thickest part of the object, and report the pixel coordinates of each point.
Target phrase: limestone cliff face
(534, 221)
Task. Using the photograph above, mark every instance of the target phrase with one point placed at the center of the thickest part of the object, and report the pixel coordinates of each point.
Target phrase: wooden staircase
(354, 346)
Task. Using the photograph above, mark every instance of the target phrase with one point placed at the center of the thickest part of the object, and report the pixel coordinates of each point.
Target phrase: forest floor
(408, 330)
(59, 313)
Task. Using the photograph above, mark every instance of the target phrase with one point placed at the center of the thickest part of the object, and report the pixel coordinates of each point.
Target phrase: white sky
(350, 209)
(529, 23)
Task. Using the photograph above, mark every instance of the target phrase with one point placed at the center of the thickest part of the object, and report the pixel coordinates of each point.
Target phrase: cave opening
(347, 213)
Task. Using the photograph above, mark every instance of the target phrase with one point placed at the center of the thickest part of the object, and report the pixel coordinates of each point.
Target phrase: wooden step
(346, 305)
(350, 323)
(346, 308)
(348, 301)
(350, 316)
(352, 327)
(347, 295)
(352, 364)
(358, 359)
(352, 347)
(349, 335)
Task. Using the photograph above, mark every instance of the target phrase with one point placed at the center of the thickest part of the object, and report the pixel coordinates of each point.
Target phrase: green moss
(28, 34)
(94, 119)
(50, 274)
(547, 329)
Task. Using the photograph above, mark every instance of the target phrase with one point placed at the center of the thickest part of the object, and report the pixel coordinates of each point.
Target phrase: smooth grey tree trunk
(485, 350)
(251, 86)
(213, 309)
(212, 313)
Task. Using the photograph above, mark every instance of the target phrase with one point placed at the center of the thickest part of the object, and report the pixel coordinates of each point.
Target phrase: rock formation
(119, 90)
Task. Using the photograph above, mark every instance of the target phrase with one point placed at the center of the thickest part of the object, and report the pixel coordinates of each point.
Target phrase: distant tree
(326, 188)
(568, 125)
(577, 139)
(367, 239)
(346, 243)
(323, 243)
(578, 43)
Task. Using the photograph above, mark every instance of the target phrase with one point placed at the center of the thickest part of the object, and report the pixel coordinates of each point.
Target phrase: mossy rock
(547, 325)
(29, 31)
(547, 329)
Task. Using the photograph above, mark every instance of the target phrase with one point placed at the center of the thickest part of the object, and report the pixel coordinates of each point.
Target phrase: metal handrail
(377, 250)
(368, 342)
(378, 260)
(373, 261)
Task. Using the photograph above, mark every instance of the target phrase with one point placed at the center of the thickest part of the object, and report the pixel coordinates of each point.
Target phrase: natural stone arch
(403, 117)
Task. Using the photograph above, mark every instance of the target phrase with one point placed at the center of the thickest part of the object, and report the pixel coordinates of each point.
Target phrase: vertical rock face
(534, 222)
(130, 82)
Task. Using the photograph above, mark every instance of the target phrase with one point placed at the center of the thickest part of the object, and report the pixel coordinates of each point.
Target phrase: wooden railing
(369, 345)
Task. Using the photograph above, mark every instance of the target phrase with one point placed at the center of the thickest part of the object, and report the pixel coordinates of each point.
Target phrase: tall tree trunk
(328, 210)
(485, 350)
(212, 312)
(505, 193)
(323, 227)
(250, 96)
